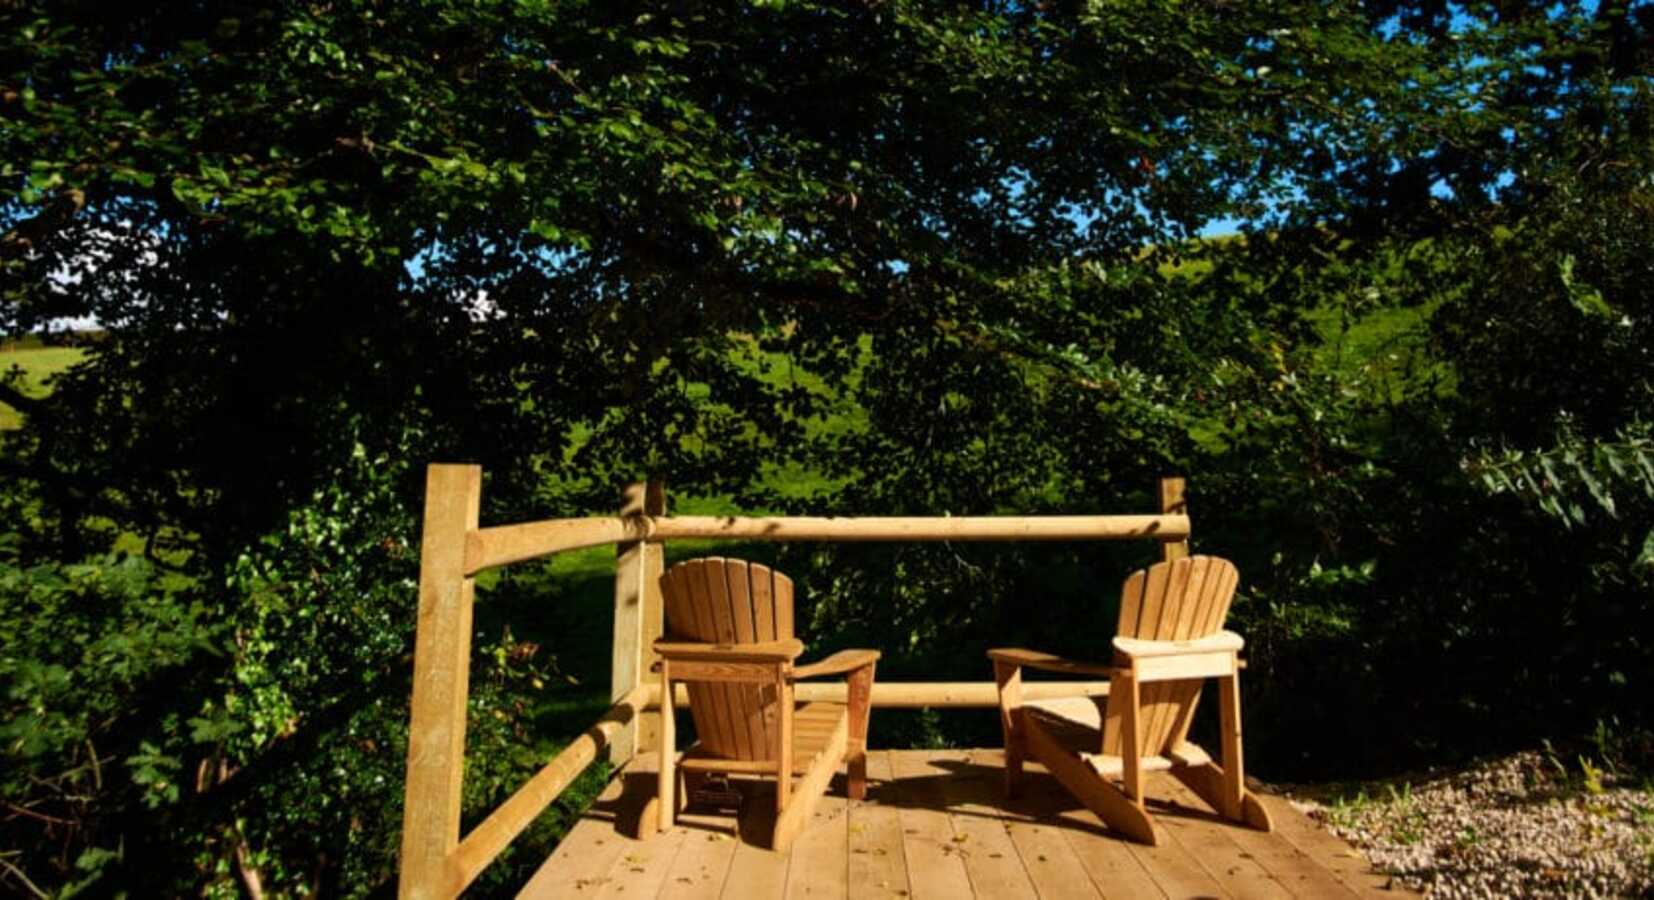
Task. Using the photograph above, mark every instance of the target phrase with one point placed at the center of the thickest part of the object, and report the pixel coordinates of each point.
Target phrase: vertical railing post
(638, 618)
(1172, 503)
(654, 610)
(442, 662)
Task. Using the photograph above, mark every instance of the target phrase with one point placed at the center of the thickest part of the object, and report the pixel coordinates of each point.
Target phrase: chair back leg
(1008, 678)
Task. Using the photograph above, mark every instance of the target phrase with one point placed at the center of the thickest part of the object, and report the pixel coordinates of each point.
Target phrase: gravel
(1524, 825)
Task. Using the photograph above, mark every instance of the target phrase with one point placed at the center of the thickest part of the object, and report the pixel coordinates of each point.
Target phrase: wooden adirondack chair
(730, 639)
(1169, 641)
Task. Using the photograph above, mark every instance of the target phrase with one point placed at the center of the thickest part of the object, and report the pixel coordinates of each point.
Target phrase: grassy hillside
(36, 366)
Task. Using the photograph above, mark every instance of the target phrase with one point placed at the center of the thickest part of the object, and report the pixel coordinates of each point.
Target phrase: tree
(291, 214)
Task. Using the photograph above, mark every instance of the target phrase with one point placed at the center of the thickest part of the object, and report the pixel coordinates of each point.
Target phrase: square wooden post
(1172, 503)
(639, 618)
(442, 672)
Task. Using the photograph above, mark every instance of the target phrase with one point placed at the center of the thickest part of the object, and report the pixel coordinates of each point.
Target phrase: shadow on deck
(935, 824)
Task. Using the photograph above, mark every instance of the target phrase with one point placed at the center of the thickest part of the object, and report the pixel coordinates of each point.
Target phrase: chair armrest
(837, 664)
(1223, 641)
(761, 652)
(1048, 662)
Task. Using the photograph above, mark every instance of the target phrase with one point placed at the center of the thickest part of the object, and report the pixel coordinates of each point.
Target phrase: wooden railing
(436, 862)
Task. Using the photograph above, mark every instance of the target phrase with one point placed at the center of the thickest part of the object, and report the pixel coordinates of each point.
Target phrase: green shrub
(99, 668)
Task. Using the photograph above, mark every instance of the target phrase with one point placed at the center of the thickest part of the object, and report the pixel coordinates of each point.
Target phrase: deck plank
(945, 831)
(1339, 858)
(878, 867)
(934, 866)
(1052, 864)
(756, 870)
(1115, 871)
(703, 861)
(980, 837)
(641, 870)
(1176, 873)
(1205, 839)
(1054, 869)
(580, 865)
(821, 869)
(1292, 868)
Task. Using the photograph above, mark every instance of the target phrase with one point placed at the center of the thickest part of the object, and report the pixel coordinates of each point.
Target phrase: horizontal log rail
(505, 544)
(488, 839)
(502, 545)
(435, 861)
(920, 694)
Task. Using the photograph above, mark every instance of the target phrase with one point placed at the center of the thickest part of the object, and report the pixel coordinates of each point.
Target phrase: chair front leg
(1131, 751)
(1229, 720)
(861, 708)
(784, 745)
(1008, 678)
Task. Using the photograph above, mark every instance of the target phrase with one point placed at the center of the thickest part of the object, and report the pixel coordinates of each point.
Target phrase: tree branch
(55, 214)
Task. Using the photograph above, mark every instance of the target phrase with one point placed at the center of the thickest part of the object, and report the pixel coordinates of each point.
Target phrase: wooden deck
(934, 825)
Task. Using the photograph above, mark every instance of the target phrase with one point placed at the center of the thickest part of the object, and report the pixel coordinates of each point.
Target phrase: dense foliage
(895, 257)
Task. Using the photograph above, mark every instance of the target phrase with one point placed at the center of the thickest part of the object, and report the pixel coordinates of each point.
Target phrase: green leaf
(1645, 559)
(216, 175)
(1584, 298)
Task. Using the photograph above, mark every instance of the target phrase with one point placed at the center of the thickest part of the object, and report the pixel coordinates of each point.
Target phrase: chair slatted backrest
(730, 601)
(1170, 601)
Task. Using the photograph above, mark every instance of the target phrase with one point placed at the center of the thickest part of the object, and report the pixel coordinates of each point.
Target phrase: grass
(1406, 823)
(36, 366)
(1386, 347)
